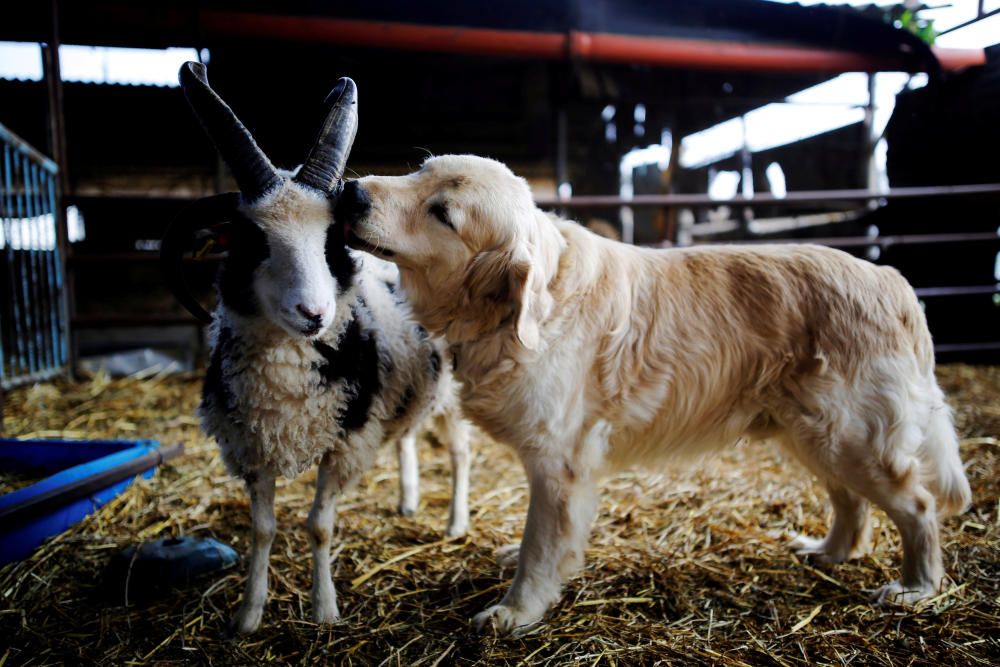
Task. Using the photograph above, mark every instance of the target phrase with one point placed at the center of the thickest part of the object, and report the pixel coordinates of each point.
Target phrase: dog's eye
(441, 213)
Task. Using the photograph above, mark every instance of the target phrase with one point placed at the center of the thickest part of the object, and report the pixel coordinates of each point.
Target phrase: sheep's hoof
(326, 614)
(246, 620)
(405, 510)
(457, 528)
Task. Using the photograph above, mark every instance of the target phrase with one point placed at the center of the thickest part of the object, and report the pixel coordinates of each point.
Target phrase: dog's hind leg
(850, 533)
(867, 440)
(897, 489)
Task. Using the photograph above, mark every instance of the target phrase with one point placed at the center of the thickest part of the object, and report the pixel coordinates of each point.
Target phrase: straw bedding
(684, 567)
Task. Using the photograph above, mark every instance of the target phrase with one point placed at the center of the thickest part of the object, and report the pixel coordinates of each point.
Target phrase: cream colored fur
(587, 356)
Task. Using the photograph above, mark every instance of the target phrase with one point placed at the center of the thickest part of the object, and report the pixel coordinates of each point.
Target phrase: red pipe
(385, 35)
(604, 47)
(953, 60)
(713, 54)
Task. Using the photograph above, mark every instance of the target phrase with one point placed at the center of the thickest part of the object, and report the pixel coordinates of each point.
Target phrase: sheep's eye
(441, 213)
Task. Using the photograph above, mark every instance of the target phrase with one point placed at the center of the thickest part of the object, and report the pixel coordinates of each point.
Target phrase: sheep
(316, 358)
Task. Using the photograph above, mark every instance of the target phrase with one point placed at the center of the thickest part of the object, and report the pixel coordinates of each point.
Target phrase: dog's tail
(944, 472)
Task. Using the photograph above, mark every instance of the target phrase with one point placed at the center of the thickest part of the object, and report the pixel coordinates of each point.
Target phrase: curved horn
(324, 168)
(253, 171)
(180, 237)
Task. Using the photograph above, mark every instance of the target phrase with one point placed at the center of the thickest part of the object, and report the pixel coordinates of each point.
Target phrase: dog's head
(474, 253)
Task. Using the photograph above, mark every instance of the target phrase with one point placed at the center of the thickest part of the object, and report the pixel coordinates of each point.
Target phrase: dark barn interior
(565, 92)
(135, 155)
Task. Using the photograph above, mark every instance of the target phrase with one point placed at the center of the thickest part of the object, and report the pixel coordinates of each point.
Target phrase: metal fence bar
(33, 340)
(35, 283)
(51, 297)
(59, 285)
(34, 259)
(23, 266)
(46, 304)
(881, 241)
(767, 199)
(13, 365)
(957, 290)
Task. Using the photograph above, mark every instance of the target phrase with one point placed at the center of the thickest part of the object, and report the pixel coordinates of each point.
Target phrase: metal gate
(33, 317)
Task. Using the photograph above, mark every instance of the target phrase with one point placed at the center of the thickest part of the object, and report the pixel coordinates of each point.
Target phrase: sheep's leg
(457, 432)
(409, 475)
(261, 489)
(320, 525)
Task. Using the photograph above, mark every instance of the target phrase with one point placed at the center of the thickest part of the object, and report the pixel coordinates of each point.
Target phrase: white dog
(588, 355)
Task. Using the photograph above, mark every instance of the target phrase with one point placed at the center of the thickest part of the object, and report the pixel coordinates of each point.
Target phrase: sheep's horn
(180, 237)
(324, 168)
(253, 171)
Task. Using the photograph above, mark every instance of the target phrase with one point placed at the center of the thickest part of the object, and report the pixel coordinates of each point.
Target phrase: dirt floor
(684, 567)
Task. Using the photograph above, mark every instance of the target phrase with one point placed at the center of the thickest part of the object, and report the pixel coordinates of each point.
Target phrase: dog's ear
(497, 280)
(529, 296)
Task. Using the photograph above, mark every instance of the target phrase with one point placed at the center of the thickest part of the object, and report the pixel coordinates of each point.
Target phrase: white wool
(283, 420)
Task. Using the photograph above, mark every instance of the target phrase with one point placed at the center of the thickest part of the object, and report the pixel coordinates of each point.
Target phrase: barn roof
(708, 33)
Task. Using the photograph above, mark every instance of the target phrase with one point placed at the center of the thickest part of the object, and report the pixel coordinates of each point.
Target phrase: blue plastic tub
(83, 476)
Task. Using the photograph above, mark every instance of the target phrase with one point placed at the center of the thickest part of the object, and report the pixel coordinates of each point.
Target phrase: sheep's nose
(311, 314)
(353, 203)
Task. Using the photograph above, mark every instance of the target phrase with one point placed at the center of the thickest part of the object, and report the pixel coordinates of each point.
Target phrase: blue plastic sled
(83, 476)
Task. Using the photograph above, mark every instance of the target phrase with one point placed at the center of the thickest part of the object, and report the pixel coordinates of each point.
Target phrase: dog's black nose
(353, 204)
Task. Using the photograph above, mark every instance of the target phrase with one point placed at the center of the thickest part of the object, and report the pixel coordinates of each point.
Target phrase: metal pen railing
(822, 198)
(34, 332)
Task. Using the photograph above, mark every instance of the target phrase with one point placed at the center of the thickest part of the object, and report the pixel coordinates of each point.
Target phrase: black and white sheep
(316, 358)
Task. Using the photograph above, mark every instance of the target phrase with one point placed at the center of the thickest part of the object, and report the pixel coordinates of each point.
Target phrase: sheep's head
(286, 259)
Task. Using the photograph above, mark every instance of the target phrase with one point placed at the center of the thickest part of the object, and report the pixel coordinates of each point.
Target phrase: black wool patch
(248, 248)
(356, 361)
(215, 394)
(338, 257)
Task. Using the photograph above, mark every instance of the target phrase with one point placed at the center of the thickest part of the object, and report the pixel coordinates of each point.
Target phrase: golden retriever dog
(586, 356)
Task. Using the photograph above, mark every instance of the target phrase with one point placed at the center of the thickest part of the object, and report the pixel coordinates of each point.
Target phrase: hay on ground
(684, 567)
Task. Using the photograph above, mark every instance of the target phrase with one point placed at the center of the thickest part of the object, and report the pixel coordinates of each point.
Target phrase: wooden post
(57, 149)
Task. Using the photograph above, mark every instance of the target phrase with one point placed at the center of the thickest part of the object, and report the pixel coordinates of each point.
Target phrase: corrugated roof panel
(22, 61)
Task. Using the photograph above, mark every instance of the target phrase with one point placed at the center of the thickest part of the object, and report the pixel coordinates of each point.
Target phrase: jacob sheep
(587, 355)
(316, 359)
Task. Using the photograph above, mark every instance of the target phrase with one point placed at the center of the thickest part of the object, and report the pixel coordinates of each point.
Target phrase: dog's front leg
(560, 512)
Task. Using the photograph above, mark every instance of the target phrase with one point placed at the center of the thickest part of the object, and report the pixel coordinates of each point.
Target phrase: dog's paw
(905, 595)
(246, 620)
(507, 556)
(816, 548)
(504, 620)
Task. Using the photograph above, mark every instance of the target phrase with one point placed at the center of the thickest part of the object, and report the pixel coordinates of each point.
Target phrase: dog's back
(697, 347)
